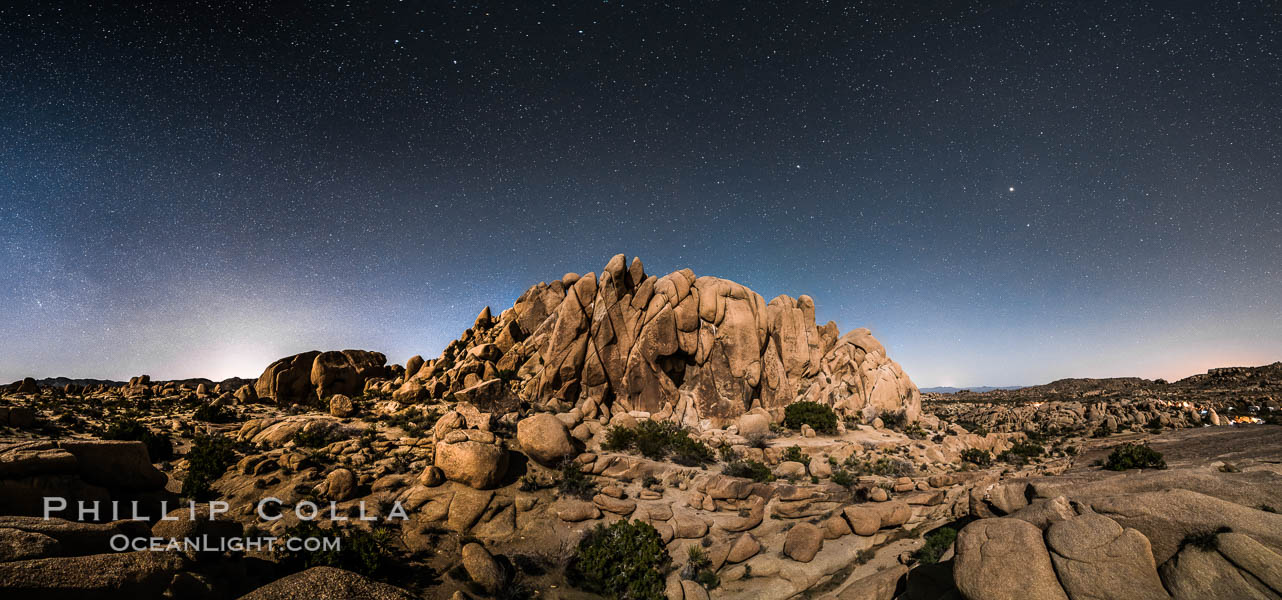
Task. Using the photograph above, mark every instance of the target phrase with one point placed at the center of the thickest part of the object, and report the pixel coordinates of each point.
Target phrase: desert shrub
(749, 469)
(1268, 508)
(361, 551)
(212, 413)
(794, 454)
(208, 459)
(657, 440)
(1022, 452)
(843, 478)
(619, 438)
(727, 454)
(1134, 456)
(760, 440)
(818, 416)
(310, 439)
(159, 446)
(626, 560)
(413, 422)
(894, 420)
(937, 543)
(883, 466)
(698, 568)
(976, 456)
(574, 482)
(1102, 431)
(1206, 540)
(915, 431)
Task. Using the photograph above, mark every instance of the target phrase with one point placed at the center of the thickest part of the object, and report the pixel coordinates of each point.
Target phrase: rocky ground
(733, 448)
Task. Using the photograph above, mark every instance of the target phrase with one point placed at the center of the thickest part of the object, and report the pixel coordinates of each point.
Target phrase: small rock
(341, 406)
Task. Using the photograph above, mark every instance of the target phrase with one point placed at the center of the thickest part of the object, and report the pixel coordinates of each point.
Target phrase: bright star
(1012, 189)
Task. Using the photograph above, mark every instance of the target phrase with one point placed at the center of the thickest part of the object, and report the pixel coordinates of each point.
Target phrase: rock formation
(316, 375)
(695, 350)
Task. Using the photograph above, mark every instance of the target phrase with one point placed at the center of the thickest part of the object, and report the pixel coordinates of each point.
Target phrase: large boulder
(327, 583)
(803, 542)
(315, 375)
(27, 386)
(1004, 559)
(1238, 568)
(1096, 558)
(479, 465)
(544, 438)
(483, 569)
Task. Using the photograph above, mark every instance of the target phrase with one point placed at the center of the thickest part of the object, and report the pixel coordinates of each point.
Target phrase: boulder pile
(701, 351)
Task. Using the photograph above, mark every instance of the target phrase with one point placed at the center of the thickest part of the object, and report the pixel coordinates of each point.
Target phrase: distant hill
(977, 389)
(1261, 384)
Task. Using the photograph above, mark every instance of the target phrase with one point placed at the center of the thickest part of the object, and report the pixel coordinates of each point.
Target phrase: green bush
(895, 420)
(361, 551)
(310, 439)
(658, 440)
(698, 568)
(1022, 452)
(818, 416)
(208, 459)
(626, 560)
(843, 478)
(159, 447)
(574, 482)
(211, 413)
(1134, 456)
(937, 543)
(794, 454)
(749, 469)
(976, 456)
(884, 466)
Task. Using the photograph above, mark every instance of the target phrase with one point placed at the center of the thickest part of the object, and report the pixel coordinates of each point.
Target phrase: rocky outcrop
(695, 350)
(316, 375)
(78, 470)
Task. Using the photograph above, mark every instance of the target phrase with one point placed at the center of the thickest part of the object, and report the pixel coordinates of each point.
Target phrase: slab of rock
(618, 506)
(743, 548)
(1004, 559)
(1095, 558)
(76, 537)
(16, 544)
(573, 510)
(1166, 517)
(878, 586)
(125, 575)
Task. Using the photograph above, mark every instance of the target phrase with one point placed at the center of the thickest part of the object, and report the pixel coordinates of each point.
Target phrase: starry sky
(1004, 192)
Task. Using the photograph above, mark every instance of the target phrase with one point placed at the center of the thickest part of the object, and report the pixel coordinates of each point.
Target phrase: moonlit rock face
(684, 348)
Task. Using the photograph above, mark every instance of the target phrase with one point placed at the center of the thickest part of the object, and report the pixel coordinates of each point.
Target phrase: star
(1012, 189)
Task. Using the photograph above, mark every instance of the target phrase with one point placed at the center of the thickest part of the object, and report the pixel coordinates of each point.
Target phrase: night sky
(1005, 193)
